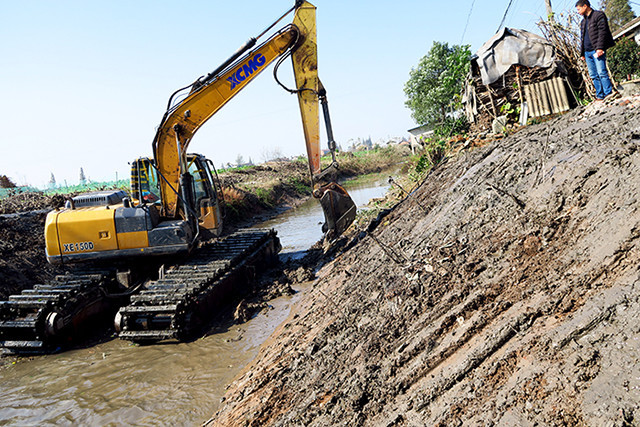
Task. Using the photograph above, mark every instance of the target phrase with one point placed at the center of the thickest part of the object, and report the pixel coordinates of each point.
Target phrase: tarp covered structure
(500, 70)
(509, 47)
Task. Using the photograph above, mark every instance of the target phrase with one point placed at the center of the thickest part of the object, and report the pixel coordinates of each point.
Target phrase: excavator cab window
(213, 179)
(205, 196)
(144, 181)
(201, 180)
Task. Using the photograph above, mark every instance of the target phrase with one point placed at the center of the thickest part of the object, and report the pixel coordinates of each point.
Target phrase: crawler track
(179, 304)
(44, 318)
(40, 319)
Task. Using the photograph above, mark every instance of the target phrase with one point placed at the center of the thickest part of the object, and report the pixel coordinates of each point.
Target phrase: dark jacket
(599, 32)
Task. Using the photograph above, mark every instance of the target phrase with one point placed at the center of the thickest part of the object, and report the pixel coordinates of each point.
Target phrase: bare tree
(565, 37)
(269, 154)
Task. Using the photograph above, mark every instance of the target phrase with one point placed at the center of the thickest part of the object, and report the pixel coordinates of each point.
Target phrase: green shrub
(265, 196)
(451, 126)
(624, 59)
(300, 186)
(436, 151)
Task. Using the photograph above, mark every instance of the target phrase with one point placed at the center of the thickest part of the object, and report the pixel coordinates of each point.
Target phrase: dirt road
(504, 292)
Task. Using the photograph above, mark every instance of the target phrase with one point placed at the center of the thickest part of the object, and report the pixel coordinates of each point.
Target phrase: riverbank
(264, 190)
(503, 291)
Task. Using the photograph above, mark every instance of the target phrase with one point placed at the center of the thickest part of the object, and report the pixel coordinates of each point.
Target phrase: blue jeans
(598, 72)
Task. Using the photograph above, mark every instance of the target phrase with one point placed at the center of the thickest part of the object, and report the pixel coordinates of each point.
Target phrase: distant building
(631, 29)
(390, 140)
(418, 136)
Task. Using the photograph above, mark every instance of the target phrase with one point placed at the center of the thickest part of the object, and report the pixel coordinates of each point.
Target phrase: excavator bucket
(339, 209)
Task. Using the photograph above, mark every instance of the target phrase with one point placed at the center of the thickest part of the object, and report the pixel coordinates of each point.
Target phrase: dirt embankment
(504, 292)
(22, 259)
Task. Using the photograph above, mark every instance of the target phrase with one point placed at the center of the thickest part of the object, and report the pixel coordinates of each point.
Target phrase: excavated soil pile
(505, 291)
(22, 257)
(271, 171)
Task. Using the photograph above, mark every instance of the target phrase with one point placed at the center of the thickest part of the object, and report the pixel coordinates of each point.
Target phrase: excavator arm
(183, 121)
(207, 95)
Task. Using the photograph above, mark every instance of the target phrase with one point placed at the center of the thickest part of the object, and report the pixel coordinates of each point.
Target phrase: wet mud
(504, 291)
(22, 259)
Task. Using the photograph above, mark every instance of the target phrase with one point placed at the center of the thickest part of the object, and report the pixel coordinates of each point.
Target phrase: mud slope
(508, 296)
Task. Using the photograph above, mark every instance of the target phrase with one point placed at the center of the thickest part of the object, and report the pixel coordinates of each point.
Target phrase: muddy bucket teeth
(339, 210)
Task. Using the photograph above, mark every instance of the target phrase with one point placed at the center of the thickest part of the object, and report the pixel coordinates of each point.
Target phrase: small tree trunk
(549, 11)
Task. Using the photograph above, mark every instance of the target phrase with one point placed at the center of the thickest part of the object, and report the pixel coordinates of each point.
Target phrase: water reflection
(301, 227)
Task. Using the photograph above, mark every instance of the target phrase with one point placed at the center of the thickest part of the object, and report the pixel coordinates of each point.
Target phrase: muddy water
(300, 228)
(173, 384)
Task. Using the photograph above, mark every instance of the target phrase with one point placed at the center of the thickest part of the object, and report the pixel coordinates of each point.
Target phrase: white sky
(85, 83)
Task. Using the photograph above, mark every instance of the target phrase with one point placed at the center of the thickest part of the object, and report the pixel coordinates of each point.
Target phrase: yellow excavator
(173, 209)
(175, 200)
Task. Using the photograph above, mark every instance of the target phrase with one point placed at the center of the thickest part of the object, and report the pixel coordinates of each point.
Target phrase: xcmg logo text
(246, 70)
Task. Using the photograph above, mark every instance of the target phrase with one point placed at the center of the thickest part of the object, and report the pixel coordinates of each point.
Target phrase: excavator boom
(178, 127)
(208, 95)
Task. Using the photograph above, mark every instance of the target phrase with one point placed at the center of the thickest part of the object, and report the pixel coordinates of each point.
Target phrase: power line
(467, 24)
(514, 11)
(504, 16)
(535, 16)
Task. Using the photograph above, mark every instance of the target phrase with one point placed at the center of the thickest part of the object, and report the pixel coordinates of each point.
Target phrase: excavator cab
(205, 193)
(205, 206)
(145, 187)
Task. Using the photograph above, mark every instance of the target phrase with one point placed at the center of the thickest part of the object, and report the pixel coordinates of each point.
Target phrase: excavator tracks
(49, 316)
(40, 319)
(180, 303)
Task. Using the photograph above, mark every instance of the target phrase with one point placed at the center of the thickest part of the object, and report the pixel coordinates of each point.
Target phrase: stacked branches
(565, 38)
(492, 100)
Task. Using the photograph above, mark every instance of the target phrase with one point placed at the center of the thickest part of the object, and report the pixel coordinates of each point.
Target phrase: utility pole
(549, 11)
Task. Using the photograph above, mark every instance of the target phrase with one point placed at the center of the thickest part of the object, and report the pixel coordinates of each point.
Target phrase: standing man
(596, 38)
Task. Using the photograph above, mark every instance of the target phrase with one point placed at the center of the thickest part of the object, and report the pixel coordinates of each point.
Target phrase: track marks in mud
(466, 306)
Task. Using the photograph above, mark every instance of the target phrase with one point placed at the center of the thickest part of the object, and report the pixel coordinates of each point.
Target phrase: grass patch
(299, 186)
(265, 196)
(364, 162)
